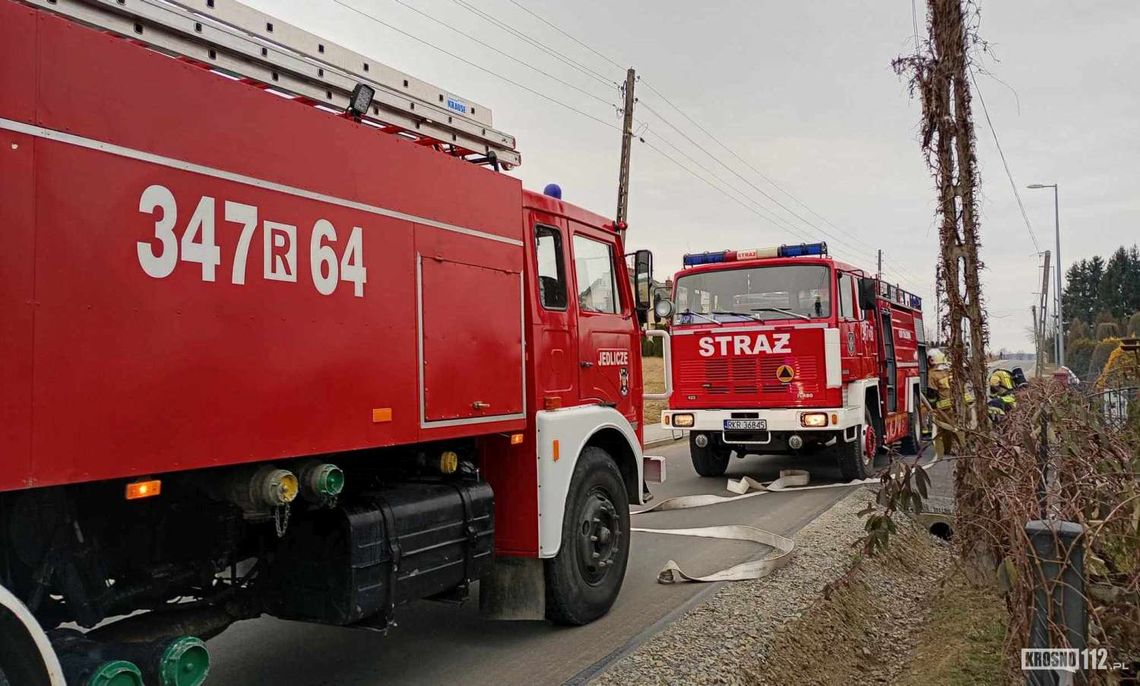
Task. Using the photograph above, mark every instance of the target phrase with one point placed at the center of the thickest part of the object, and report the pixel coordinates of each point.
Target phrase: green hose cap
(330, 480)
(185, 662)
(116, 673)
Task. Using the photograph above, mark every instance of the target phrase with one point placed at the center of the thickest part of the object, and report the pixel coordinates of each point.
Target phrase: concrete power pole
(1044, 315)
(879, 275)
(626, 144)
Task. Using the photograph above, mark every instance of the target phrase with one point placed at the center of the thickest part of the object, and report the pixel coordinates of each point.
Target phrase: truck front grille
(747, 377)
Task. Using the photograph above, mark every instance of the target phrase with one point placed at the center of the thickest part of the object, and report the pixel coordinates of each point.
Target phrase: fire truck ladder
(238, 41)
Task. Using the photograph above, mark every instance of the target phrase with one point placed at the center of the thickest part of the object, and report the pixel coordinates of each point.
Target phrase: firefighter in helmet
(938, 392)
(1002, 399)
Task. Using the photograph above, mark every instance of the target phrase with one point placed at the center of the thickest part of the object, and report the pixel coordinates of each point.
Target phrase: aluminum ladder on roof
(235, 39)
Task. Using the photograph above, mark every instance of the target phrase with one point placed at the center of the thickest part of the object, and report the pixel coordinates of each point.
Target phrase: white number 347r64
(158, 257)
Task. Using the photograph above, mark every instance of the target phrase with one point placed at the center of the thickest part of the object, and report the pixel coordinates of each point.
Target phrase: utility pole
(626, 144)
(1038, 367)
(879, 276)
(1044, 315)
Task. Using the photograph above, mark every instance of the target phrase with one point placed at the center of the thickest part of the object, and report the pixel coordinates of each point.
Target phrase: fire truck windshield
(755, 293)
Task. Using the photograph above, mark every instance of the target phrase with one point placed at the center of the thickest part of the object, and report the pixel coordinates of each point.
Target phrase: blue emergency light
(801, 250)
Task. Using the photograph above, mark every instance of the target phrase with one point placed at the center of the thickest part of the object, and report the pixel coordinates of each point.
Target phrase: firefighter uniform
(942, 400)
(1002, 399)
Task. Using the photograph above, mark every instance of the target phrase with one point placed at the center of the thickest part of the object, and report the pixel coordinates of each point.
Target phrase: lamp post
(1060, 343)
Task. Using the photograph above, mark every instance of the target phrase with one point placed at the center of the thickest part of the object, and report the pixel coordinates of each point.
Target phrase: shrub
(1134, 325)
(1122, 369)
(1105, 330)
(1100, 357)
(1077, 331)
(1079, 354)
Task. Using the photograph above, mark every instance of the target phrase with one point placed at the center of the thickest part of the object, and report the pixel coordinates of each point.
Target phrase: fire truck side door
(606, 333)
(554, 333)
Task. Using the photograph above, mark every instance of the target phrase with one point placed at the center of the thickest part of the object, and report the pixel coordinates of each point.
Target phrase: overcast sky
(804, 93)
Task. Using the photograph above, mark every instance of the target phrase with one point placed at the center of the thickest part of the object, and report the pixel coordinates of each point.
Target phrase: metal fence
(1118, 405)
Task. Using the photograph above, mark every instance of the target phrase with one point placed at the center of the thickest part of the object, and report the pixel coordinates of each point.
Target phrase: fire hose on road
(745, 487)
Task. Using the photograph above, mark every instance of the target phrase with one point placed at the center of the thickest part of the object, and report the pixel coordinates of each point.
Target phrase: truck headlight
(813, 420)
(683, 420)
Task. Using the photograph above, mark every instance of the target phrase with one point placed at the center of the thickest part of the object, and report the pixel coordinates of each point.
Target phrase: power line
(748, 203)
(752, 168)
(744, 179)
(524, 63)
(1008, 174)
(522, 36)
(710, 135)
(481, 68)
(524, 8)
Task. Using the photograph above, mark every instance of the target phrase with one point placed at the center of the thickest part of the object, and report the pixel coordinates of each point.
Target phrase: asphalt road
(437, 643)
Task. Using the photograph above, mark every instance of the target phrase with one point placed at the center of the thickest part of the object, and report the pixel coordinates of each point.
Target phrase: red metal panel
(17, 61)
(179, 110)
(140, 373)
(472, 341)
(714, 368)
(512, 472)
(137, 374)
(17, 306)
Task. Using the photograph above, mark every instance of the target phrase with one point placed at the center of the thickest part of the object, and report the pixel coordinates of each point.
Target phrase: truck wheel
(20, 663)
(857, 458)
(583, 580)
(912, 443)
(710, 460)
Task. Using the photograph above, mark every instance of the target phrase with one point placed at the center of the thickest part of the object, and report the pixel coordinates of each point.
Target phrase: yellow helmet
(1001, 379)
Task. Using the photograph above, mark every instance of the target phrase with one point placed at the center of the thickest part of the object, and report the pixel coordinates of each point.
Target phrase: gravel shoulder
(780, 629)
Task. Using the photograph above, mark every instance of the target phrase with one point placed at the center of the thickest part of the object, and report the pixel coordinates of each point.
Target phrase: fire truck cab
(788, 350)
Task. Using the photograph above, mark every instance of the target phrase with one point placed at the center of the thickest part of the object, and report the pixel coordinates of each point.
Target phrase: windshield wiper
(781, 311)
(739, 314)
(703, 316)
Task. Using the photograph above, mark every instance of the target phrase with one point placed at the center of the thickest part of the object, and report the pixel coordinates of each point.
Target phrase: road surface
(436, 643)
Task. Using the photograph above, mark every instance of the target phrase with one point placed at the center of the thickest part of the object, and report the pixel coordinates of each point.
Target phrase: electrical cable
(483, 69)
(1008, 173)
(524, 63)
(522, 36)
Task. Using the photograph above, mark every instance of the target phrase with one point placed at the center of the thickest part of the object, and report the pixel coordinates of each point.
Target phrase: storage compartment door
(471, 345)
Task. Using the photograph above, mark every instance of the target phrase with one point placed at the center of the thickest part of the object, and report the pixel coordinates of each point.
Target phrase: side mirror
(868, 292)
(663, 309)
(643, 280)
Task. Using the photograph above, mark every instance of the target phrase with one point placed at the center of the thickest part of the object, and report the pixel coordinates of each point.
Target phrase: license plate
(745, 424)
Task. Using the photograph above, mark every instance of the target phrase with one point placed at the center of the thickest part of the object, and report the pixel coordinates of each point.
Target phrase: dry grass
(961, 643)
(653, 375)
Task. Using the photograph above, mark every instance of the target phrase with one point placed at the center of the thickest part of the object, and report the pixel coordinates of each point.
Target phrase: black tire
(911, 444)
(20, 661)
(710, 460)
(857, 458)
(595, 529)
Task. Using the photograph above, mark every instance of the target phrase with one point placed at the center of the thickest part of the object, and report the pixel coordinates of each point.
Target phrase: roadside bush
(1100, 358)
(1079, 354)
(1093, 483)
(1077, 331)
(1105, 330)
(1121, 370)
(1134, 325)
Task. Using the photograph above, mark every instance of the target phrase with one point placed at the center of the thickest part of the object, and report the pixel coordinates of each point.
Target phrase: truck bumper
(780, 425)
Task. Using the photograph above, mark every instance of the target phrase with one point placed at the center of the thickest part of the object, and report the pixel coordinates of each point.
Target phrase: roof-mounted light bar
(801, 250)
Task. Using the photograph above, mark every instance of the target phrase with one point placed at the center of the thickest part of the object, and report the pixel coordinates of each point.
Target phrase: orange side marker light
(517, 439)
(381, 414)
(554, 448)
(143, 489)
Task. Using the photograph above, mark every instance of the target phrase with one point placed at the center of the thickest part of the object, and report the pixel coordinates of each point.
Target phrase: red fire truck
(788, 350)
(201, 423)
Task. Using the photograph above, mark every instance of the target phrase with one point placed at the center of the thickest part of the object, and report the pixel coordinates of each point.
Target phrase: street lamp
(1060, 343)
